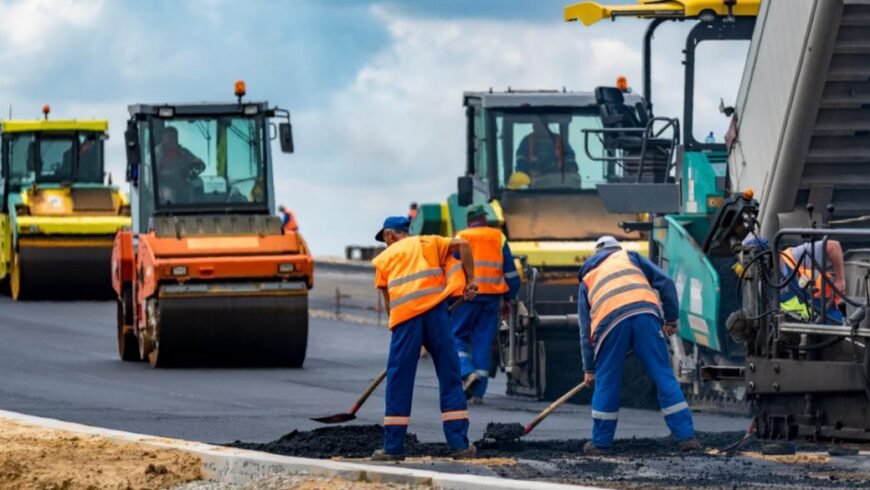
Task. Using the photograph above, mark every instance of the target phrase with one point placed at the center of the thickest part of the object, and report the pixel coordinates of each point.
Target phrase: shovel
(509, 432)
(351, 415)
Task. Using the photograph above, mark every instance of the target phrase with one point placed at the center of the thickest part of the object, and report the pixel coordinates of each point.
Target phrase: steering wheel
(191, 170)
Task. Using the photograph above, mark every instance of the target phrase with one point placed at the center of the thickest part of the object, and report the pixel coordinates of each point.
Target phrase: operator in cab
(627, 303)
(175, 166)
(416, 275)
(546, 158)
(475, 322)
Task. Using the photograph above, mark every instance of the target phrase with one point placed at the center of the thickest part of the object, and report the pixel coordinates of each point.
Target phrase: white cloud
(396, 133)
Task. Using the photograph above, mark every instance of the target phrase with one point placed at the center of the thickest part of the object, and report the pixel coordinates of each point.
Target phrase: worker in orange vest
(288, 219)
(414, 275)
(475, 322)
(412, 211)
(627, 303)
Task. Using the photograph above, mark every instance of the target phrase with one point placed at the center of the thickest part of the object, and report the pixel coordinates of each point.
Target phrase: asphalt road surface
(59, 360)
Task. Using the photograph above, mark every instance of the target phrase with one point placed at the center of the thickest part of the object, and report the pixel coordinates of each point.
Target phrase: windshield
(543, 150)
(209, 161)
(55, 157)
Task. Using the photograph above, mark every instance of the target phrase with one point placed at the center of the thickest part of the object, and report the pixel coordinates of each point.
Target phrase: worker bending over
(475, 322)
(619, 310)
(416, 275)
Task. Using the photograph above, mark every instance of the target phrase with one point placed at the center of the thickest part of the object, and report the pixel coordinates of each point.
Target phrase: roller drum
(267, 330)
(81, 272)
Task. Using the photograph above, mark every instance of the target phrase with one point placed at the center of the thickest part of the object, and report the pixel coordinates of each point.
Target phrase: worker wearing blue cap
(416, 274)
(627, 302)
(475, 322)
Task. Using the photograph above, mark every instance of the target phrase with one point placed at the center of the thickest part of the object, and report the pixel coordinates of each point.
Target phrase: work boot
(381, 455)
(590, 449)
(470, 383)
(475, 400)
(466, 453)
(690, 445)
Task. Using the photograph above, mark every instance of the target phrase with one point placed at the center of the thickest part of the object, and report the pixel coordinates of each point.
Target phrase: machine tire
(17, 286)
(128, 344)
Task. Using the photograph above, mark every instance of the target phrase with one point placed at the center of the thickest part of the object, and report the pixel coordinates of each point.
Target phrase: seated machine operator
(546, 158)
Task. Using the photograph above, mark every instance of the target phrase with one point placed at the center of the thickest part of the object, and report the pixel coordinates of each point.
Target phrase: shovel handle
(553, 406)
(383, 374)
(369, 390)
(456, 304)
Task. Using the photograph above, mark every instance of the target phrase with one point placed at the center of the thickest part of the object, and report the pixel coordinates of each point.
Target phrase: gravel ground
(301, 482)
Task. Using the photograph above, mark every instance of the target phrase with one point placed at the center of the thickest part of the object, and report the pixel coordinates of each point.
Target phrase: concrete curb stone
(239, 466)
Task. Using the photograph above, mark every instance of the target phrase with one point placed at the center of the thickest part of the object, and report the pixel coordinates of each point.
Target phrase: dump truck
(207, 275)
(791, 173)
(59, 217)
(525, 163)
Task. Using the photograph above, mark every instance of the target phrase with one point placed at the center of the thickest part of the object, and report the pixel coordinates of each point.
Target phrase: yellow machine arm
(591, 12)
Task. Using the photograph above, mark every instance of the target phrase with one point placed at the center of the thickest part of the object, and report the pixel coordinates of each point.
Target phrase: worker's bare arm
(835, 255)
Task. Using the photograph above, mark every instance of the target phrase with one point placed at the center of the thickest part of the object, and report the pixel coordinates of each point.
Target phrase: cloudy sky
(374, 86)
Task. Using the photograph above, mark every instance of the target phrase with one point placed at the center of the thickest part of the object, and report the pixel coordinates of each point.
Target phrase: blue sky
(374, 86)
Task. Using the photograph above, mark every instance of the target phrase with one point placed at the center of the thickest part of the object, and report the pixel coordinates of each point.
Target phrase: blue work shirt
(657, 279)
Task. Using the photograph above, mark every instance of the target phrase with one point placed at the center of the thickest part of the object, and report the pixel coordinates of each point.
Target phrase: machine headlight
(285, 268)
(167, 112)
(179, 270)
(251, 110)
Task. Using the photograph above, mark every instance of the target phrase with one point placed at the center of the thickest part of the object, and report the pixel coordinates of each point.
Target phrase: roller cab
(207, 275)
(58, 217)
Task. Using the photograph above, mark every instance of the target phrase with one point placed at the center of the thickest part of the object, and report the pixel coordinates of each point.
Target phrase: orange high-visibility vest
(808, 273)
(615, 283)
(486, 247)
(291, 224)
(413, 272)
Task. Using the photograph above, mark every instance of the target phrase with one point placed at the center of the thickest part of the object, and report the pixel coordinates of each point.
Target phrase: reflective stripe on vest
(415, 278)
(486, 247)
(811, 275)
(615, 283)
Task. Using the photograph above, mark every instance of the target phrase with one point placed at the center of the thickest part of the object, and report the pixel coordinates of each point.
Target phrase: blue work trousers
(643, 334)
(430, 330)
(474, 327)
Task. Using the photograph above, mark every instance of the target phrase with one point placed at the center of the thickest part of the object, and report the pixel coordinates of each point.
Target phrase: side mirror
(285, 134)
(465, 191)
(131, 144)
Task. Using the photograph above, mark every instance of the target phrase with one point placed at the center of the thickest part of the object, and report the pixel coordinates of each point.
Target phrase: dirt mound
(33, 457)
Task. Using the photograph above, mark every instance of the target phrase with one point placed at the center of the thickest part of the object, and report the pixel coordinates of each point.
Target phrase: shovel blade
(335, 419)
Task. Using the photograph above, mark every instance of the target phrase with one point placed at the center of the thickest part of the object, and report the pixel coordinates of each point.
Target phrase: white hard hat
(607, 241)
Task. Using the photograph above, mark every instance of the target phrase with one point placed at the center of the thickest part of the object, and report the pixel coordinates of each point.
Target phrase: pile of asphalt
(641, 463)
(359, 441)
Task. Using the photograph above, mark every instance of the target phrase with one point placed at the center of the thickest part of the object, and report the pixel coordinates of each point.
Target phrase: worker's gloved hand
(470, 291)
(589, 379)
(670, 328)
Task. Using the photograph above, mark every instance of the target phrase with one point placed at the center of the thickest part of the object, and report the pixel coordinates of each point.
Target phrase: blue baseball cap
(397, 223)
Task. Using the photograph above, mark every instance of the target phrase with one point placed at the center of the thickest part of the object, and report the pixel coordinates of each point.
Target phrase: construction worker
(475, 322)
(412, 211)
(288, 219)
(619, 310)
(808, 283)
(415, 276)
(544, 154)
